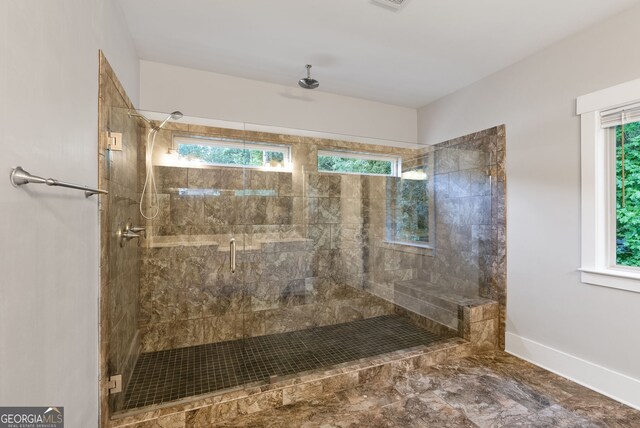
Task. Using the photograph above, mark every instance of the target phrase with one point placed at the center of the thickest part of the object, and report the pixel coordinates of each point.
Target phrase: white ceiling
(410, 57)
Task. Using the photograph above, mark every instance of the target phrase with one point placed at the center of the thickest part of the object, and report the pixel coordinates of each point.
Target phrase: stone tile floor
(178, 373)
(490, 390)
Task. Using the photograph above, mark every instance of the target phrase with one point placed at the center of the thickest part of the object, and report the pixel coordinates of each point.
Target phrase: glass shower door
(225, 216)
(272, 261)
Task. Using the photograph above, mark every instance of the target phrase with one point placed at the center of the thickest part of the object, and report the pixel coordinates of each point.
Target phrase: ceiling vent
(391, 4)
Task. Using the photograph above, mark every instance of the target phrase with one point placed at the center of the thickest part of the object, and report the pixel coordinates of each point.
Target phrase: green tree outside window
(628, 216)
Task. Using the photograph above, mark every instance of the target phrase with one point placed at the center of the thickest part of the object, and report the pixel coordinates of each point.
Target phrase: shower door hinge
(114, 141)
(115, 384)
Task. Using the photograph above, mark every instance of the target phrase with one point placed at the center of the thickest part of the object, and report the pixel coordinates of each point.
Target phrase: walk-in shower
(345, 250)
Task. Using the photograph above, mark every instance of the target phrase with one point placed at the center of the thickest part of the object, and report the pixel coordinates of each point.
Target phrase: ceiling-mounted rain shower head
(308, 82)
(394, 5)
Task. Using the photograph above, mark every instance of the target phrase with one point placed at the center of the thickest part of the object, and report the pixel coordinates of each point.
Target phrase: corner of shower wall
(468, 265)
(119, 272)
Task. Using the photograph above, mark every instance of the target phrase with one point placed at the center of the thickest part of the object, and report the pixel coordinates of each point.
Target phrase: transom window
(343, 162)
(231, 152)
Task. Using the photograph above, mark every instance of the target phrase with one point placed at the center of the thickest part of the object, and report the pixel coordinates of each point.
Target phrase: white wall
(217, 96)
(548, 308)
(49, 249)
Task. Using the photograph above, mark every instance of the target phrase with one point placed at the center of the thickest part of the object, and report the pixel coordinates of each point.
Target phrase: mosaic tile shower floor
(164, 376)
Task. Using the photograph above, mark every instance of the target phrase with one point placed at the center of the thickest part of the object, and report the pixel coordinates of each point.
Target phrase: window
(229, 152)
(408, 207)
(357, 163)
(622, 137)
(610, 160)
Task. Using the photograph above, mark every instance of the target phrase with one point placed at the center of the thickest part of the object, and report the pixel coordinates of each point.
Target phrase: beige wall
(547, 304)
(49, 246)
(198, 93)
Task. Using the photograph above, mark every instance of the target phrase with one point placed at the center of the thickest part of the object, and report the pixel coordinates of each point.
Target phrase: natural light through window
(357, 163)
(408, 207)
(229, 152)
(627, 170)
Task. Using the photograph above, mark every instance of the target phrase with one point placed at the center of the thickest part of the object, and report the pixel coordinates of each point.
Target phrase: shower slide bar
(20, 177)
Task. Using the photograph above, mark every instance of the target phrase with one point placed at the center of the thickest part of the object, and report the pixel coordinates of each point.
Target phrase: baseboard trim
(617, 386)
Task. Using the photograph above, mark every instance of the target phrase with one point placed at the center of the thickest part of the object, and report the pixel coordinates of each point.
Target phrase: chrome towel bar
(20, 177)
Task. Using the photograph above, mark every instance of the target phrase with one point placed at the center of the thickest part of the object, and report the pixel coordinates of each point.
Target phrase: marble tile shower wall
(119, 270)
(307, 243)
(469, 200)
(465, 261)
(312, 247)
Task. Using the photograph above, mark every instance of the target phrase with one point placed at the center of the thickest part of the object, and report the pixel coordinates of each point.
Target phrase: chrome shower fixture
(176, 115)
(393, 5)
(136, 114)
(150, 181)
(308, 82)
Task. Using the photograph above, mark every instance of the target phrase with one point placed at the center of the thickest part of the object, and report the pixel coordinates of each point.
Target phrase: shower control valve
(128, 233)
(139, 229)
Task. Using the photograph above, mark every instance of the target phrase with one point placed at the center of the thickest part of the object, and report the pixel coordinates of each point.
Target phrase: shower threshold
(166, 376)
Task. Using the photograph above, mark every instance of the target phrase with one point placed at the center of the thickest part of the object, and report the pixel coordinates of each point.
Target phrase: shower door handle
(232, 255)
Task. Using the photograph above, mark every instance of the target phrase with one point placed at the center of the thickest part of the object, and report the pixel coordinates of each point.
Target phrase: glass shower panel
(278, 258)
(321, 290)
(188, 295)
(119, 264)
(452, 278)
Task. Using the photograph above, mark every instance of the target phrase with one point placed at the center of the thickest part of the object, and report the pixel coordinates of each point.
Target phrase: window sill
(356, 173)
(612, 278)
(408, 247)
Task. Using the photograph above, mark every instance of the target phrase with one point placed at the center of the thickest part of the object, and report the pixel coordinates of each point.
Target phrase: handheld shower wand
(150, 180)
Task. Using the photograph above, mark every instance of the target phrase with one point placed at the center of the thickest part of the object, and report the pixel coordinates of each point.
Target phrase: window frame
(231, 143)
(598, 192)
(396, 161)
